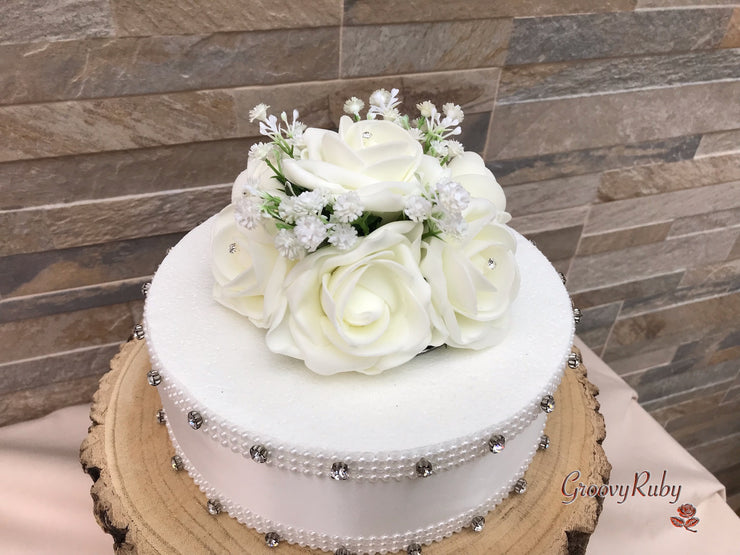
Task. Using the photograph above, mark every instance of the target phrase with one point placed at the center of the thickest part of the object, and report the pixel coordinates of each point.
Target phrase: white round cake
(372, 463)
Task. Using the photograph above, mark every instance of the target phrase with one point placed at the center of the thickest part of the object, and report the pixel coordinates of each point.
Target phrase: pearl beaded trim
(362, 465)
(372, 544)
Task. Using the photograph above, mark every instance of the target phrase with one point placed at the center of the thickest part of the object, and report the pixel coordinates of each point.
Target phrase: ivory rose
(376, 158)
(363, 310)
(473, 281)
(248, 270)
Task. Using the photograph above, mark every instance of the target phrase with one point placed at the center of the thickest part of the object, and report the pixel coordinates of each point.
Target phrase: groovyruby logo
(687, 511)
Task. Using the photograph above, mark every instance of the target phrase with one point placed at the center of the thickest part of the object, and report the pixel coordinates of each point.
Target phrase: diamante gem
(139, 331)
(213, 506)
(195, 419)
(233, 248)
(562, 277)
(161, 417)
(520, 486)
(478, 523)
(145, 288)
(176, 462)
(342, 551)
(272, 539)
(423, 469)
(544, 442)
(413, 549)
(577, 315)
(547, 403)
(497, 443)
(258, 453)
(574, 359)
(367, 135)
(153, 378)
(340, 471)
(491, 263)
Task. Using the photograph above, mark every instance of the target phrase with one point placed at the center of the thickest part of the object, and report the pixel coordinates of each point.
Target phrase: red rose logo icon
(687, 511)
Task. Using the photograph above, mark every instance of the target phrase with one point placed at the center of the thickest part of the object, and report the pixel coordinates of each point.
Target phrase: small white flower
(454, 148)
(453, 112)
(439, 148)
(269, 126)
(353, 106)
(380, 98)
(416, 134)
(347, 208)
(248, 211)
(427, 109)
(451, 196)
(287, 210)
(259, 112)
(310, 232)
(342, 236)
(310, 202)
(453, 224)
(417, 208)
(287, 245)
(260, 151)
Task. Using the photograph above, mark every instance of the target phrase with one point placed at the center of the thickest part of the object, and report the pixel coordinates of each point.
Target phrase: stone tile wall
(613, 126)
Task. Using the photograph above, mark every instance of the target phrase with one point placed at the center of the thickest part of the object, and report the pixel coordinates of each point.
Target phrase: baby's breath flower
(453, 224)
(288, 246)
(417, 208)
(383, 102)
(439, 148)
(259, 112)
(453, 112)
(353, 106)
(427, 109)
(416, 134)
(310, 232)
(342, 236)
(248, 211)
(451, 196)
(380, 98)
(347, 208)
(260, 151)
(454, 148)
(287, 210)
(310, 202)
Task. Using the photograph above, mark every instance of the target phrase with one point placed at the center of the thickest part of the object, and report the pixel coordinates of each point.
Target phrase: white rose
(473, 281)
(248, 269)
(376, 158)
(363, 310)
(469, 170)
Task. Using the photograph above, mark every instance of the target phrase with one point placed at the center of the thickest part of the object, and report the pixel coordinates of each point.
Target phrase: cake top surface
(218, 360)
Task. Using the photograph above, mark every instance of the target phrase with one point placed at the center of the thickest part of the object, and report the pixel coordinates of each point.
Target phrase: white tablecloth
(45, 505)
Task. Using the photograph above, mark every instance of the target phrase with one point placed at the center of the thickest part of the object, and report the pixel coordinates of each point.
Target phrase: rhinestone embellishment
(340, 471)
(413, 549)
(547, 404)
(213, 506)
(153, 378)
(491, 263)
(423, 469)
(176, 462)
(577, 315)
(195, 419)
(272, 539)
(574, 360)
(478, 523)
(497, 443)
(161, 417)
(544, 442)
(562, 277)
(145, 288)
(258, 453)
(520, 486)
(139, 331)
(233, 248)
(367, 135)
(342, 551)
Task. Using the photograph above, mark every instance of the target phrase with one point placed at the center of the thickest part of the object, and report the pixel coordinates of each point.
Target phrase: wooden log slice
(149, 508)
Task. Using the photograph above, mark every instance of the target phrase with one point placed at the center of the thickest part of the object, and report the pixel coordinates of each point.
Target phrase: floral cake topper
(358, 248)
